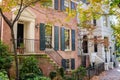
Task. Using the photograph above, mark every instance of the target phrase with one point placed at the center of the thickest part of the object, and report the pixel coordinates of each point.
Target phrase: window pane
(48, 36)
(67, 39)
(85, 44)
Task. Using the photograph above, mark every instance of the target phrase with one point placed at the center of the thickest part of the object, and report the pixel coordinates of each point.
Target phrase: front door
(20, 34)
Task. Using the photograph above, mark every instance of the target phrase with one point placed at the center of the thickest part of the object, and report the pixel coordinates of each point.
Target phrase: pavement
(113, 74)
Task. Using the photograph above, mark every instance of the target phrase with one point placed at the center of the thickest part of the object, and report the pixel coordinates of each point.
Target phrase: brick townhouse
(46, 31)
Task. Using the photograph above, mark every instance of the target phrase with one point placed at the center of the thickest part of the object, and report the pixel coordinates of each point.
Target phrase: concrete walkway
(113, 74)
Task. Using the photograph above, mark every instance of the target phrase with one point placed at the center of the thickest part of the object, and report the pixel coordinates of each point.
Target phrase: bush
(29, 68)
(81, 72)
(32, 76)
(3, 75)
(5, 58)
(61, 72)
(69, 78)
(52, 74)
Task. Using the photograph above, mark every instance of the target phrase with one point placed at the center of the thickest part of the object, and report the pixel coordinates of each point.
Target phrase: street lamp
(105, 54)
(110, 54)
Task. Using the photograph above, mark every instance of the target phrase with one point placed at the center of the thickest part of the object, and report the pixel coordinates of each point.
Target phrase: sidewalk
(113, 74)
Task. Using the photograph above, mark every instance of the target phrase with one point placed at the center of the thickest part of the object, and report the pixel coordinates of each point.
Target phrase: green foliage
(69, 78)
(29, 68)
(61, 72)
(81, 71)
(46, 2)
(5, 58)
(116, 33)
(52, 74)
(3, 75)
(32, 76)
(115, 3)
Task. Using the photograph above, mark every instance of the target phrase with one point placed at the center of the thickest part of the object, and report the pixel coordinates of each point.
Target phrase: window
(68, 63)
(106, 42)
(47, 33)
(95, 44)
(67, 39)
(69, 6)
(105, 21)
(94, 22)
(48, 36)
(85, 44)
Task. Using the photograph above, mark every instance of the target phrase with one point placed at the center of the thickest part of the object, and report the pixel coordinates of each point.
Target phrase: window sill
(67, 50)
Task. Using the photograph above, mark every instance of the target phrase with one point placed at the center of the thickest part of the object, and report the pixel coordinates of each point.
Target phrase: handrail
(56, 52)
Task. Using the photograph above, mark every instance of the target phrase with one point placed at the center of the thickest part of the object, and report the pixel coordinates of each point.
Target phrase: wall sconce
(37, 26)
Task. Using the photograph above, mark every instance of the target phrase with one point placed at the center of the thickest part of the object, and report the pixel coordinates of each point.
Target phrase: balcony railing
(27, 45)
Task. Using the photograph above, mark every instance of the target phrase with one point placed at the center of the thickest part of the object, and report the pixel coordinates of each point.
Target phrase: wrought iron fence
(95, 70)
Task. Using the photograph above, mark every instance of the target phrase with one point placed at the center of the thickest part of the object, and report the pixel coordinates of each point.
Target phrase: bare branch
(6, 19)
(19, 12)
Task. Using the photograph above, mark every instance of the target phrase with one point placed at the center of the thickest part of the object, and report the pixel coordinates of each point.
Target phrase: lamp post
(110, 54)
(105, 54)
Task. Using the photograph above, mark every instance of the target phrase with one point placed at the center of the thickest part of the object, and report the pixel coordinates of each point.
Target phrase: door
(20, 34)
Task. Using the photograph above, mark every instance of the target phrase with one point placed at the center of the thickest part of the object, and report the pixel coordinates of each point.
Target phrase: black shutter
(94, 22)
(73, 39)
(62, 7)
(62, 39)
(64, 63)
(72, 5)
(56, 37)
(72, 63)
(56, 4)
(42, 36)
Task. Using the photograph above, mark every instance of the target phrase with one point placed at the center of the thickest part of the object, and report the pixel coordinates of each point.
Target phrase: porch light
(37, 26)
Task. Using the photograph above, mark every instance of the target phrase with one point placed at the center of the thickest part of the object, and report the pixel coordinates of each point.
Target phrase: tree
(8, 6)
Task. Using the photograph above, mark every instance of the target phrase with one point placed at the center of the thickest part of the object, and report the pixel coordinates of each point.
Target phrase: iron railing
(95, 70)
(27, 45)
(33, 46)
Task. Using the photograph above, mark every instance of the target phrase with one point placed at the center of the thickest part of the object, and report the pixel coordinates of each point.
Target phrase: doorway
(20, 34)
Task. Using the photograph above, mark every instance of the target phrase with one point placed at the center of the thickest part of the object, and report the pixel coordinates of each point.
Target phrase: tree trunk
(15, 54)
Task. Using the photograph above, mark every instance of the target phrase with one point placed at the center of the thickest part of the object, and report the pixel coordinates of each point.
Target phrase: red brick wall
(57, 18)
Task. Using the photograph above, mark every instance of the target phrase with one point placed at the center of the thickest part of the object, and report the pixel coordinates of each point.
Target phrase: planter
(111, 65)
(106, 66)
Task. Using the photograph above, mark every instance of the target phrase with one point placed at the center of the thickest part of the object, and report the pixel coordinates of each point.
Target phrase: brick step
(55, 56)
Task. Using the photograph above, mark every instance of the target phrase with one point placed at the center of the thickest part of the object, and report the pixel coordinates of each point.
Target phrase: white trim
(1, 28)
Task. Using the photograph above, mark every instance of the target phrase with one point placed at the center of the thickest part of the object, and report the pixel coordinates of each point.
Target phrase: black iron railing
(95, 70)
(27, 45)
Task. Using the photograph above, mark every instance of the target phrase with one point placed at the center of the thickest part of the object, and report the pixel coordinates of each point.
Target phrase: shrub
(52, 74)
(5, 58)
(3, 75)
(61, 72)
(29, 68)
(81, 72)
